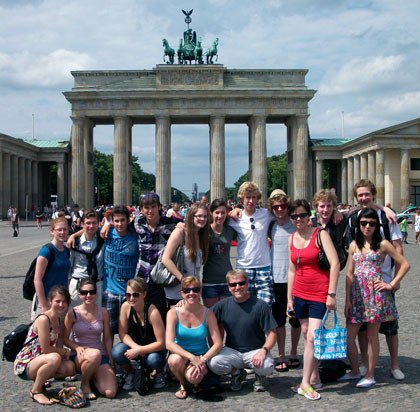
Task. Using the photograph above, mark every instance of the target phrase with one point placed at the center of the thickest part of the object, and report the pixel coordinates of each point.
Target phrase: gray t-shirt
(218, 260)
(245, 324)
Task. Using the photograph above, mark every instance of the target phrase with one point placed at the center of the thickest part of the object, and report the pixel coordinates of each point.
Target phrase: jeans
(154, 360)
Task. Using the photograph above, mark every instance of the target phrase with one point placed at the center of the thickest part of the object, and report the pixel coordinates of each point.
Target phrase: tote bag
(330, 343)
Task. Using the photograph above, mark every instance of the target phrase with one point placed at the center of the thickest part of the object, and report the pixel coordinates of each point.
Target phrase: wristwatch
(332, 294)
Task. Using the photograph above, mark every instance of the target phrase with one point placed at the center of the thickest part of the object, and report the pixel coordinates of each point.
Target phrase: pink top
(88, 334)
(311, 283)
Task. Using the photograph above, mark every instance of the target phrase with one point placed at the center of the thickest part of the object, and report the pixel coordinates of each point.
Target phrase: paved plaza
(387, 395)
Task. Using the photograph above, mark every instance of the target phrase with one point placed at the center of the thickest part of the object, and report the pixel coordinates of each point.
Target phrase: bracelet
(203, 357)
(392, 287)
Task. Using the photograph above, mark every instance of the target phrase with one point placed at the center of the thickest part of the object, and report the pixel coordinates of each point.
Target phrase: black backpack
(14, 341)
(28, 287)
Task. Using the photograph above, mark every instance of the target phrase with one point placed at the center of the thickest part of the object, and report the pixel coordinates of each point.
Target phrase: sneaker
(236, 381)
(365, 383)
(159, 382)
(349, 377)
(397, 374)
(261, 383)
(129, 382)
(363, 370)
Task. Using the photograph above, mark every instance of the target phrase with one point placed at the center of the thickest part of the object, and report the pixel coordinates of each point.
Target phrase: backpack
(28, 287)
(14, 341)
(91, 266)
(332, 369)
(338, 239)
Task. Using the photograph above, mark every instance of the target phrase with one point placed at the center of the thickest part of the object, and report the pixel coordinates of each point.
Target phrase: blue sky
(363, 59)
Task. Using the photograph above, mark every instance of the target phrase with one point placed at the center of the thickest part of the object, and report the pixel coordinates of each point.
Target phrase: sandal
(293, 363)
(33, 394)
(181, 393)
(282, 366)
(90, 396)
(309, 393)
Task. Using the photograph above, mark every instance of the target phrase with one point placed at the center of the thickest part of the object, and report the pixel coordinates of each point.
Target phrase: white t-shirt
(279, 250)
(253, 250)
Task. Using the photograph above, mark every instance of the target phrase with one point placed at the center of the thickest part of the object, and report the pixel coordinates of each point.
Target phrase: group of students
(250, 304)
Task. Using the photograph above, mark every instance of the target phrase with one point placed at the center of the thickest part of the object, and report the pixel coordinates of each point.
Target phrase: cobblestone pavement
(388, 394)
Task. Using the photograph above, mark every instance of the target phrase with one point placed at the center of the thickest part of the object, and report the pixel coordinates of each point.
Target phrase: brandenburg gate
(188, 94)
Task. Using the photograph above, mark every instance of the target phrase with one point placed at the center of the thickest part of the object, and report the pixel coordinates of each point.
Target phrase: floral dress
(31, 349)
(369, 305)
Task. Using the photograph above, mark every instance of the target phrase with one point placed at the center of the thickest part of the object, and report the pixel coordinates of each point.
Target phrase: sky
(363, 59)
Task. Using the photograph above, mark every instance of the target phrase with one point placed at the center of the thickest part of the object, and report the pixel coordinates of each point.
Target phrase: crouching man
(250, 334)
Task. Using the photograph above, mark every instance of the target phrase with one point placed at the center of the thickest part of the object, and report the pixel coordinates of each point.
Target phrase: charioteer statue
(190, 48)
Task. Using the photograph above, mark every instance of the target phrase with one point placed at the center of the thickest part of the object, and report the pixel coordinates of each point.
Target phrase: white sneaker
(397, 374)
(365, 383)
(261, 383)
(129, 382)
(349, 377)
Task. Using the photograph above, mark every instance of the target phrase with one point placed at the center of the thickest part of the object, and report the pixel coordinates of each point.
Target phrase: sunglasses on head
(149, 196)
(188, 290)
(299, 216)
(134, 295)
(279, 207)
(234, 284)
(88, 292)
(371, 223)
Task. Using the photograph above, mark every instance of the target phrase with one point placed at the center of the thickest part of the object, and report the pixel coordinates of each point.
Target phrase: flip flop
(293, 363)
(307, 392)
(181, 393)
(282, 366)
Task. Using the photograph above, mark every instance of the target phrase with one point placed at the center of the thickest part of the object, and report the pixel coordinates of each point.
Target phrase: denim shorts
(104, 359)
(305, 309)
(215, 291)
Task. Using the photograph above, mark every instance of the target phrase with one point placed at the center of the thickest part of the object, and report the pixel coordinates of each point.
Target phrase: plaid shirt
(151, 243)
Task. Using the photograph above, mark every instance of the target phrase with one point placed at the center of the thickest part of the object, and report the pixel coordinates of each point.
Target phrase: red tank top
(311, 283)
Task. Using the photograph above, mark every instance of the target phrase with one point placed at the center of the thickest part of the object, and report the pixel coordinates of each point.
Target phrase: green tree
(103, 177)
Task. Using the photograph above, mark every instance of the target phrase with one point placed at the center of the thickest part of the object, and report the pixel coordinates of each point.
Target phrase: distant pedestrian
(39, 215)
(15, 222)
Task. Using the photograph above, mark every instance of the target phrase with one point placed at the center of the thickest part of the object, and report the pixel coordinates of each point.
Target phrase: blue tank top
(193, 340)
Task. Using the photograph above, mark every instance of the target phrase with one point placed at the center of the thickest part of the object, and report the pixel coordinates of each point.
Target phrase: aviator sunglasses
(134, 295)
(279, 207)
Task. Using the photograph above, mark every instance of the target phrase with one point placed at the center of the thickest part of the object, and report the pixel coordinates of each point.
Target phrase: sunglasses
(251, 219)
(134, 295)
(149, 196)
(88, 292)
(371, 223)
(188, 290)
(299, 216)
(234, 284)
(279, 207)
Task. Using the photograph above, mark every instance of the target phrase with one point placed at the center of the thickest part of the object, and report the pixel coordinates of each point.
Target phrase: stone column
(122, 126)
(60, 185)
(78, 162)
(380, 177)
(371, 166)
(28, 184)
(163, 158)
(21, 187)
(344, 182)
(7, 182)
(14, 180)
(350, 169)
(259, 155)
(130, 166)
(217, 158)
(405, 188)
(363, 166)
(34, 183)
(300, 160)
(319, 169)
(356, 168)
(89, 167)
(3, 207)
